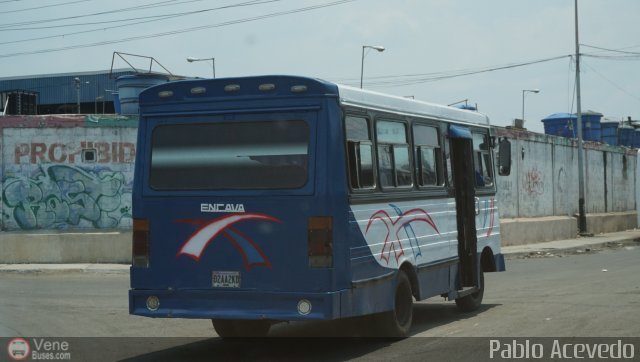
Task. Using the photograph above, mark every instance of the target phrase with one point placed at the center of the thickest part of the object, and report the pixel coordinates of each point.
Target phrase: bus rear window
(230, 156)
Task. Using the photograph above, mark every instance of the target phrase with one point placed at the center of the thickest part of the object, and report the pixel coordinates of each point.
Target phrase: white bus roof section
(364, 98)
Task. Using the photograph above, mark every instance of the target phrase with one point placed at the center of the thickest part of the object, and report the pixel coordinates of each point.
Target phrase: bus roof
(380, 101)
(283, 86)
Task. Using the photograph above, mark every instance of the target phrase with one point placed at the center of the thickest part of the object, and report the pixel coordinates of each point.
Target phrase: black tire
(472, 302)
(396, 323)
(241, 328)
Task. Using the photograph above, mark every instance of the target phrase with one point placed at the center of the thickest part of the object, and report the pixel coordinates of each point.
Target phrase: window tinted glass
(359, 152)
(391, 132)
(403, 167)
(366, 166)
(357, 128)
(428, 167)
(385, 166)
(425, 135)
(226, 156)
(480, 142)
(482, 160)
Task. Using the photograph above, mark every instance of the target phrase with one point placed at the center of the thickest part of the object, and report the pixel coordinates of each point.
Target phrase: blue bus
(264, 199)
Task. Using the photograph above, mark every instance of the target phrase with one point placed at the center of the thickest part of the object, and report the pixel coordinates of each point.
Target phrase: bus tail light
(140, 246)
(320, 241)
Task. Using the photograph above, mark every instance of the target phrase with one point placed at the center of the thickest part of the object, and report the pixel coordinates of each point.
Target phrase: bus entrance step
(467, 291)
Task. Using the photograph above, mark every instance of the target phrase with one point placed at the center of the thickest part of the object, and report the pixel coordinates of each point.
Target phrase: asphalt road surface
(587, 295)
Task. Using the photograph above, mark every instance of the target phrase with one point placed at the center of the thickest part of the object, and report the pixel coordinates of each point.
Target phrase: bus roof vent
(198, 90)
(299, 88)
(267, 87)
(232, 88)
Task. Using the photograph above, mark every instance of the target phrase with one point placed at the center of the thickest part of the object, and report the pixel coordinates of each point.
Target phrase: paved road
(588, 295)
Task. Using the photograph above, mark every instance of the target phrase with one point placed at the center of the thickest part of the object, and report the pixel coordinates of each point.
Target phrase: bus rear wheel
(472, 302)
(397, 323)
(241, 328)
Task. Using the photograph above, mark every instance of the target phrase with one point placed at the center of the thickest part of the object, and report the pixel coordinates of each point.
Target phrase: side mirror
(504, 157)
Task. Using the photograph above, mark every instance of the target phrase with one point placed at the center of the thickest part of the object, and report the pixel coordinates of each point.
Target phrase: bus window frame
(441, 179)
(349, 142)
(408, 145)
(487, 189)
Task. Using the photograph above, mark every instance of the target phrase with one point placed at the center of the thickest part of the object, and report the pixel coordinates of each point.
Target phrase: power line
(180, 31)
(121, 10)
(614, 57)
(152, 19)
(412, 79)
(612, 83)
(44, 6)
(161, 17)
(612, 50)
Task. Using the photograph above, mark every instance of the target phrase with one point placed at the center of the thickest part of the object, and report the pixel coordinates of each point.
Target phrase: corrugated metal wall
(61, 88)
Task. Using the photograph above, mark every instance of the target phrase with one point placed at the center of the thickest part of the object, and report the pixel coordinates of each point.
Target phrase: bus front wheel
(241, 328)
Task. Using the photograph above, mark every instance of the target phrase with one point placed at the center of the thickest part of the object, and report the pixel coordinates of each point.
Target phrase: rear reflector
(320, 242)
(140, 243)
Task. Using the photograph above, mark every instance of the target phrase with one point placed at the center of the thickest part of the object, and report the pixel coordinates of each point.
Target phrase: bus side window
(394, 163)
(359, 153)
(428, 155)
(482, 160)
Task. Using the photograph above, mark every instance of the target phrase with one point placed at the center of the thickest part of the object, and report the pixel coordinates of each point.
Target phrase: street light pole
(213, 63)
(523, 93)
(379, 48)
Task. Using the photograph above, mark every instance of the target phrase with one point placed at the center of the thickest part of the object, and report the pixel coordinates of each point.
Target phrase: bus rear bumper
(235, 304)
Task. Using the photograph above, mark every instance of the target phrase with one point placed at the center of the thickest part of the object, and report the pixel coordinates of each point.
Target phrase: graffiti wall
(544, 177)
(76, 174)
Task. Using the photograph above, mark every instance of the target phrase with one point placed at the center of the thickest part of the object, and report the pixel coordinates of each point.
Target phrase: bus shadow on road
(319, 340)
(427, 316)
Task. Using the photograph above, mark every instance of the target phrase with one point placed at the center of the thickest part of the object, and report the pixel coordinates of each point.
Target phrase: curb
(574, 249)
(65, 268)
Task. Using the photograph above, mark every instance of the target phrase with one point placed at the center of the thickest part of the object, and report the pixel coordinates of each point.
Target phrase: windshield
(231, 155)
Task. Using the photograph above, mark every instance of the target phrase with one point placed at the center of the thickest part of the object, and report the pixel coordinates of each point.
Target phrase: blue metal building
(59, 93)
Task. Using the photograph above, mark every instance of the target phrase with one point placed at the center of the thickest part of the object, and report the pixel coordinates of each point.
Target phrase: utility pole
(582, 217)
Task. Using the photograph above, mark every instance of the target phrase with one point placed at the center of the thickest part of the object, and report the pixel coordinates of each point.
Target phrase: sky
(426, 42)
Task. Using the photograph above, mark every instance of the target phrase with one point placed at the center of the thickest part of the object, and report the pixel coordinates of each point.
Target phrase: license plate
(225, 279)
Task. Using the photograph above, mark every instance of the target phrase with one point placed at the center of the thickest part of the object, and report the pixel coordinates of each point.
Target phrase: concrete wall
(63, 199)
(544, 177)
(50, 181)
(544, 184)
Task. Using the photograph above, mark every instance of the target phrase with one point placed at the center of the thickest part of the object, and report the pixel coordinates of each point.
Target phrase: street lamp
(379, 48)
(213, 63)
(77, 82)
(523, 93)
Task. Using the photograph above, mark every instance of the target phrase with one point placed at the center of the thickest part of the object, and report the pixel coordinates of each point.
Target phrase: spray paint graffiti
(533, 182)
(61, 196)
(562, 180)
